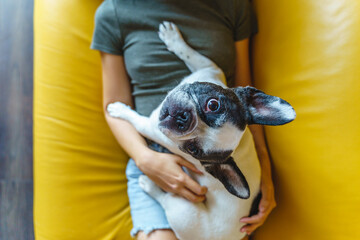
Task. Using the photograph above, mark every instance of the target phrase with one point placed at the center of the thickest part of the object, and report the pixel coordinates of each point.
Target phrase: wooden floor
(16, 94)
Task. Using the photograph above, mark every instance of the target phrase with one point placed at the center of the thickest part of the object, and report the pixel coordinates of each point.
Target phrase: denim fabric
(147, 214)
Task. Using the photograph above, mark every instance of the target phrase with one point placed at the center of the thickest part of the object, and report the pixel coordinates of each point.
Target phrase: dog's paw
(149, 186)
(170, 35)
(117, 109)
(145, 183)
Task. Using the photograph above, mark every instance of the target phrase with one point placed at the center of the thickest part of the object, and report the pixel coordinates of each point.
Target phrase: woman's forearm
(128, 138)
(243, 78)
(116, 87)
(267, 203)
(261, 150)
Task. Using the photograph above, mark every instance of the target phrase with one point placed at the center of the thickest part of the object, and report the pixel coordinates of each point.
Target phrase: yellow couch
(306, 52)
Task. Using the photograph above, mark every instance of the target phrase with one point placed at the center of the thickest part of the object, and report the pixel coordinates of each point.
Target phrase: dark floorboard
(16, 96)
(16, 208)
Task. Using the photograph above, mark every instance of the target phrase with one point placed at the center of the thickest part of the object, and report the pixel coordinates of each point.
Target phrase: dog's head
(207, 121)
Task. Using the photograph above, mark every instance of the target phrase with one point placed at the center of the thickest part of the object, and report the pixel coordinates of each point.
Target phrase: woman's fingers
(170, 177)
(267, 204)
(264, 211)
(250, 228)
(193, 186)
(188, 188)
(188, 165)
(184, 192)
(253, 219)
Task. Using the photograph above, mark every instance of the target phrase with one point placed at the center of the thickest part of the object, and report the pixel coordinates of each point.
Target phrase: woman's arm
(267, 203)
(164, 169)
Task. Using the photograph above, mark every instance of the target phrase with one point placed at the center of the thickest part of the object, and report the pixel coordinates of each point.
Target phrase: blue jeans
(147, 214)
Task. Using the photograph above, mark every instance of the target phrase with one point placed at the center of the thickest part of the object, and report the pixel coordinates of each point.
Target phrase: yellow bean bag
(80, 185)
(306, 52)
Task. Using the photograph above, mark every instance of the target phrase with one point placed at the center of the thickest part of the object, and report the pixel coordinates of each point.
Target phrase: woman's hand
(165, 170)
(267, 204)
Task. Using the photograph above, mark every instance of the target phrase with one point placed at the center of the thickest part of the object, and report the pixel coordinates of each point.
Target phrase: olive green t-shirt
(130, 28)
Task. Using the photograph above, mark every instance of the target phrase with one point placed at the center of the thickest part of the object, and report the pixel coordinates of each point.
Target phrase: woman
(138, 70)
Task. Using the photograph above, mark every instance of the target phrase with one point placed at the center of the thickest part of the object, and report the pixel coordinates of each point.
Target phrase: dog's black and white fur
(203, 121)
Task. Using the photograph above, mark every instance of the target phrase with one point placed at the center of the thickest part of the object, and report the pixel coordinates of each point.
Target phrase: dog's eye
(212, 105)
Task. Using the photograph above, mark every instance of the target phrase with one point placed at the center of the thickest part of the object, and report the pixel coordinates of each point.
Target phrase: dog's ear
(264, 109)
(230, 176)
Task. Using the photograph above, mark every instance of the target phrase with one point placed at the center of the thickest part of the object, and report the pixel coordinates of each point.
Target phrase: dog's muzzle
(177, 117)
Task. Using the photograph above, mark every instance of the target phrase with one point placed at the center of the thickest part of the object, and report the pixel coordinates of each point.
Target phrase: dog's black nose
(183, 120)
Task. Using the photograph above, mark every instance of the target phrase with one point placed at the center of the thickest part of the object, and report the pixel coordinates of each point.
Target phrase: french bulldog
(203, 121)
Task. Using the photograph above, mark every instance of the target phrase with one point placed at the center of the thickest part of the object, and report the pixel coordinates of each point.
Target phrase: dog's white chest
(217, 218)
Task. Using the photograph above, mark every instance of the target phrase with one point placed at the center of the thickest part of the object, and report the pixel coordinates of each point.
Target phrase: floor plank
(16, 89)
(16, 94)
(16, 205)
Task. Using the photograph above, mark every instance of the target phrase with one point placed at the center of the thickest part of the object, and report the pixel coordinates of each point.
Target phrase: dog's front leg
(171, 36)
(142, 124)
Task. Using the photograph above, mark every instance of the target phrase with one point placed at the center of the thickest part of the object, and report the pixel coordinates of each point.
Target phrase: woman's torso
(208, 26)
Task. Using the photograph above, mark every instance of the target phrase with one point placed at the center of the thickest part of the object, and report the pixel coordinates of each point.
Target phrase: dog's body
(203, 121)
